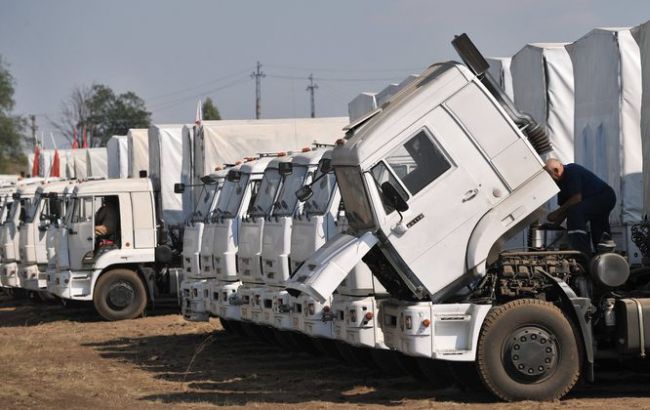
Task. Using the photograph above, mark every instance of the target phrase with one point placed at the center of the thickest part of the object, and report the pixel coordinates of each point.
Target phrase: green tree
(210, 111)
(12, 158)
(102, 112)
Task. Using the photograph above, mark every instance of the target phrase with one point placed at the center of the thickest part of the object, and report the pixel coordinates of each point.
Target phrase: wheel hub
(532, 352)
(120, 295)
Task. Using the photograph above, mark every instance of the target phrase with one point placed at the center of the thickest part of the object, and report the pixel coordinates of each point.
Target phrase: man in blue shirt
(583, 198)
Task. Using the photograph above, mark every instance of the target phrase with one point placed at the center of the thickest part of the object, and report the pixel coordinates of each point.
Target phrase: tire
(119, 295)
(528, 350)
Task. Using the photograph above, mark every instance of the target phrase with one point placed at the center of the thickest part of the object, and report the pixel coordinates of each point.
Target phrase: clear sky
(171, 53)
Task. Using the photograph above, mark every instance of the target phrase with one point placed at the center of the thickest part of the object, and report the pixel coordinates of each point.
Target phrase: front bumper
(195, 300)
(317, 318)
(74, 285)
(226, 300)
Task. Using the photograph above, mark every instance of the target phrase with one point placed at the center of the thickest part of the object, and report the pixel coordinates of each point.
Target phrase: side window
(83, 210)
(381, 174)
(255, 188)
(418, 162)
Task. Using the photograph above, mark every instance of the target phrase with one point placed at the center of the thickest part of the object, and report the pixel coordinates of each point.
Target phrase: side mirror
(15, 195)
(234, 176)
(393, 197)
(304, 193)
(326, 166)
(179, 188)
(285, 168)
(208, 180)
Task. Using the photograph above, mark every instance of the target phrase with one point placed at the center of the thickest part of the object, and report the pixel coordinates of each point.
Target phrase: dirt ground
(57, 357)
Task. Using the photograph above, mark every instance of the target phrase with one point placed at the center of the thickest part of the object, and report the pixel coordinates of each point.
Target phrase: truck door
(448, 185)
(81, 232)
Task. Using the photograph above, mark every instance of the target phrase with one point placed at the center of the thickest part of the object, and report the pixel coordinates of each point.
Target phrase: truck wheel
(119, 295)
(528, 350)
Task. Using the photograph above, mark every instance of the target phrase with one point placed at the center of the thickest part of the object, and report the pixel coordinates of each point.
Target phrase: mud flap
(324, 271)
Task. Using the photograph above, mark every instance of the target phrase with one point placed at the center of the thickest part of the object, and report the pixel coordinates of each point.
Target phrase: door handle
(72, 232)
(89, 239)
(469, 195)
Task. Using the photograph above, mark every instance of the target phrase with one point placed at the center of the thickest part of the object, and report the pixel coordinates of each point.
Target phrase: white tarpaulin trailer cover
(187, 168)
(607, 75)
(225, 142)
(45, 162)
(165, 168)
(542, 78)
(500, 71)
(138, 151)
(80, 163)
(117, 150)
(361, 105)
(641, 34)
(97, 162)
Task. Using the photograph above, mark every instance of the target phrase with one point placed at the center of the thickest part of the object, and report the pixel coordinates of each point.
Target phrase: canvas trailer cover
(500, 70)
(138, 139)
(165, 168)
(641, 34)
(117, 151)
(607, 76)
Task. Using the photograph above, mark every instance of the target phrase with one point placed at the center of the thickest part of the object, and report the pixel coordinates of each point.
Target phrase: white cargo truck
(10, 246)
(35, 234)
(224, 232)
(529, 322)
(194, 291)
(120, 269)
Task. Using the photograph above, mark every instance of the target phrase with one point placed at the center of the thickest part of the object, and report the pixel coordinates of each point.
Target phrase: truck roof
(256, 166)
(30, 189)
(434, 86)
(114, 186)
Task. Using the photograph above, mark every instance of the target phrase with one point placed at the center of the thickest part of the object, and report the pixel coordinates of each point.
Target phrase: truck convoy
(388, 246)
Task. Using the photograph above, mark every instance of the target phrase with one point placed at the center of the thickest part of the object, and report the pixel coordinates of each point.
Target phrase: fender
(579, 310)
(121, 258)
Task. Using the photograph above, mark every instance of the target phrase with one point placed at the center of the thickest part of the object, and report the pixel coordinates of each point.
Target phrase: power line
(332, 79)
(343, 70)
(176, 101)
(197, 86)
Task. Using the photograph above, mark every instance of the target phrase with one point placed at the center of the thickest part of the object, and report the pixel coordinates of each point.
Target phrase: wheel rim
(531, 354)
(120, 295)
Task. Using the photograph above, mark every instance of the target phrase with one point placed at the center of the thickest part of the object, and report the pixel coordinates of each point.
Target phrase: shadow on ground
(225, 369)
(222, 368)
(22, 311)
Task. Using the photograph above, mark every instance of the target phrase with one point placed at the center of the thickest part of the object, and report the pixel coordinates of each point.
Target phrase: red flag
(55, 170)
(85, 137)
(37, 160)
(75, 143)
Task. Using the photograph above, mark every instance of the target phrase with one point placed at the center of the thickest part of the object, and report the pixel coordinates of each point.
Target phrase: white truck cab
(277, 239)
(6, 201)
(194, 290)
(57, 238)
(243, 187)
(249, 255)
(11, 255)
(35, 234)
(431, 181)
(118, 254)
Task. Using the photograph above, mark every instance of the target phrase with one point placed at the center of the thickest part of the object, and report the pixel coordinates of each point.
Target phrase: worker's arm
(559, 214)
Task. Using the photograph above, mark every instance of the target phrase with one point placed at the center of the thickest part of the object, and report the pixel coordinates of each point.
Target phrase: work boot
(606, 243)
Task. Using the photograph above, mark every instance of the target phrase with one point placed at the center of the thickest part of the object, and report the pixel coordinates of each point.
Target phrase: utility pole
(33, 127)
(311, 88)
(258, 75)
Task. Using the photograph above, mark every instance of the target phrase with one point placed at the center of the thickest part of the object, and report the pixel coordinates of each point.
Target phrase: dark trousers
(595, 210)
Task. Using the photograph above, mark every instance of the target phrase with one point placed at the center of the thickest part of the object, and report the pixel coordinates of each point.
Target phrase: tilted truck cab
(431, 181)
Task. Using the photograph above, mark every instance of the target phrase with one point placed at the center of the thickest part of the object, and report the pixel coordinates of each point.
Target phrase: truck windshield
(231, 197)
(287, 200)
(355, 198)
(31, 214)
(18, 208)
(205, 201)
(266, 195)
(322, 192)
